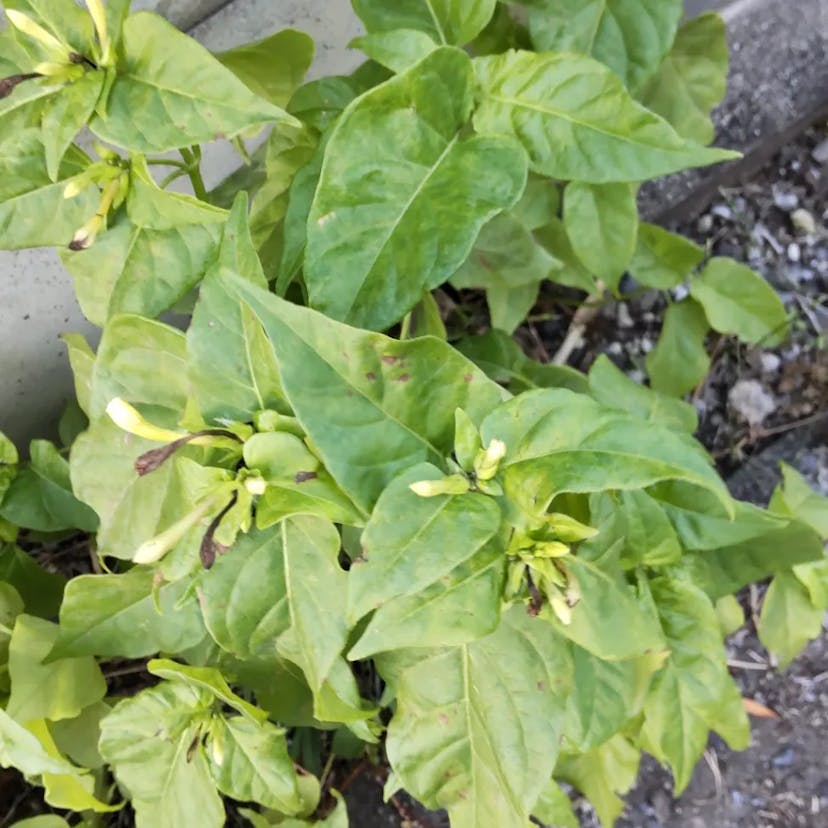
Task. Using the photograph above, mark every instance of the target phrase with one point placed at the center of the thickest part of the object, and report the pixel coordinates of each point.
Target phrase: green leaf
(476, 727)
(601, 221)
(557, 441)
(796, 498)
(572, 273)
(629, 37)
(19, 748)
(78, 737)
(413, 542)
(40, 496)
(602, 774)
(662, 259)
(650, 537)
(82, 361)
(45, 821)
(129, 616)
(8, 464)
(281, 585)
(554, 808)
(692, 79)
(539, 204)
(142, 361)
(184, 100)
(606, 698)
(502, 359)
(230, 361)
(737, 300)
(254, 764)
(613, 388)
(320, 102)
(371, 406)
(33, 212)
(40, 590)
(679, 361)
(209, 679)
(789, 618)
(576, 120)
(11, 605)
(398, 49)
(372, 251)
(689, 694)
(508, 262)
(446, 21)
(273, 67)
(70, 112)
(147, 739)
(609, 621)
(58, 690)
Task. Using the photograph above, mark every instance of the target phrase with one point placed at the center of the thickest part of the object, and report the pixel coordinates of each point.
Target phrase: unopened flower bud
(127, 418)
(25, 24)
(561, 609)
(488, 461)
(256, 485)
(568, 529)
(454, 484)
(551, 549)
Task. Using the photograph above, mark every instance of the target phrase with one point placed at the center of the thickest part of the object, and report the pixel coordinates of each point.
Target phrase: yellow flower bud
(255, 485)
(128, 419)
(551, 549)
(24, 23)
(98, 15)
(454, 484)
(488, 461)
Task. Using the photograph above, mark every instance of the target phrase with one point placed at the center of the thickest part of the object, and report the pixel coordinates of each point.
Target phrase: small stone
(784, 758)
(637, 376)
(623, 316)
(646, 345)
(785, 201)
(705, 224)
(680, 292)
(803, 221)
(615, 348)
(794, 252)
(751, 402)
(770, 362)
(820, 152)
(722, 211)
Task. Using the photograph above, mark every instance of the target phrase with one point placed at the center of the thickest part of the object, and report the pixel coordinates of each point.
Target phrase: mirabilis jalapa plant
(333, 542)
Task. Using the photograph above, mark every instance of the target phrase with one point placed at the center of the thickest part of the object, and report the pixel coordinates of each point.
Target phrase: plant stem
(192, 158)
(167, 162)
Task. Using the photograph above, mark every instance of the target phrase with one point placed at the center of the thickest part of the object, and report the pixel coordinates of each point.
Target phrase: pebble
(751, 401)
(785, 201)
(820, 152)
(784, 758)
(647, 345)
(803, 221)
(770, 362)
(705, 224)
(794, 252)
(615, 348)
(623, 316)
(680, 292)
(722, 211)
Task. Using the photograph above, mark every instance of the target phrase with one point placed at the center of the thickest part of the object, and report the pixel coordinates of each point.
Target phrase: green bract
(339, 527)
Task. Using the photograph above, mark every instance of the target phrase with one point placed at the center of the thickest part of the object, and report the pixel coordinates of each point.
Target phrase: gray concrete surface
(779, 72)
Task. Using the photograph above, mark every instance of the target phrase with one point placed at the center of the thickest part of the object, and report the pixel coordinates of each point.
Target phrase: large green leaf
(663, 259)
(129, 616)
(403, 194)
(40, 496)
(613, 388)
(601, 221)
(737, 300)
(58, 690)
(693, 692)
(789, 619)
(679, 361)
(503, 360)
(412, 542)
(151, 257)
(629, 36)
(796, 498)
(185, 96)
(371, 406)
(477, 727)
(573, 273)
(446, 21)
(577, 121)
(251, 764)
(33, 211)
(230, 361)
(273, 67)
(558, 441)
(281, 587)
(146, 740)
(692, 79)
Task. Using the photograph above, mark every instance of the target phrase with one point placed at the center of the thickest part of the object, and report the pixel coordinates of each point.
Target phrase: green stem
(192, 158)
(167, 162)
(405, 327)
